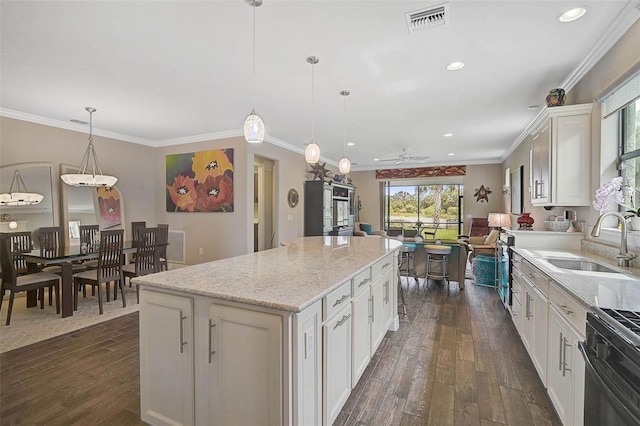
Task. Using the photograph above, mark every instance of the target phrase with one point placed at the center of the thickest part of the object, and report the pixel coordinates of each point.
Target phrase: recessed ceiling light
(573, 14)
(448, 135)
(533, 107)
(454, 66)
(350, 144)
(376, 159)
(451, 153)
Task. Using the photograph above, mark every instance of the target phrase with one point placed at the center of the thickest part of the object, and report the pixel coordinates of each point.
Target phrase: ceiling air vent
(427, 19)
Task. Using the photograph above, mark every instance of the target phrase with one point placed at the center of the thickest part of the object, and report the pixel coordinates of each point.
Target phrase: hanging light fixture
(344, 166)
(253, 124)
(312, 152)
(89, 164)
(18, 194)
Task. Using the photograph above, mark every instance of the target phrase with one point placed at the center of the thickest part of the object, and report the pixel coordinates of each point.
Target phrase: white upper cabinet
(561, 157)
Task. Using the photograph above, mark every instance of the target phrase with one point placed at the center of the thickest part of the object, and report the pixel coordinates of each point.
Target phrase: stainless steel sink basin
(580, 265)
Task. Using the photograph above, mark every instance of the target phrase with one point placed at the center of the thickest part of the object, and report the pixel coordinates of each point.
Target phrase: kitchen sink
(580, 265)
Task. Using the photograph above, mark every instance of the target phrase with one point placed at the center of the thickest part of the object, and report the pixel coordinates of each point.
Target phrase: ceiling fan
(406, 158)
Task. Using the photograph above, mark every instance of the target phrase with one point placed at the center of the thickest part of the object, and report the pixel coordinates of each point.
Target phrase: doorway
(263, 203)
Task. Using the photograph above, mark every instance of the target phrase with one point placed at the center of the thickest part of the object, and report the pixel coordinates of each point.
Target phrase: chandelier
(18, 194)
(90, 173)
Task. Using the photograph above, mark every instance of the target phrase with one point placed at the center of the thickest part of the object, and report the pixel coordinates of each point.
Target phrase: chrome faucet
(624, 257)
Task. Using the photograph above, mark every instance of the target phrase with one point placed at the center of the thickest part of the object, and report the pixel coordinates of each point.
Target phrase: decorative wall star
(319, 171)
(482, 194)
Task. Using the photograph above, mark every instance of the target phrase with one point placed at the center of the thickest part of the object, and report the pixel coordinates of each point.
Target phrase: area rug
(32, 325)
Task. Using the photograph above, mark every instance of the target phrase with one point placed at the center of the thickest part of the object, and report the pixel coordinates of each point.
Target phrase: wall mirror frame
(38, 177)
(517, 188)
(82, 206)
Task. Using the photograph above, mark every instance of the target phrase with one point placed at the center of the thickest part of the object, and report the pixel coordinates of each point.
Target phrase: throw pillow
(492, 237)
(366, 228)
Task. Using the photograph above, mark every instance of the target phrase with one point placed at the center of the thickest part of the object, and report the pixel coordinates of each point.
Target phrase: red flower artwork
(215, 194)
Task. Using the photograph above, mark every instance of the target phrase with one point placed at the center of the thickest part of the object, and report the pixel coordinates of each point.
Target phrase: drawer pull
(342, 321)
(565, 309)
(386, 265)
(342, 299)
(363, 282)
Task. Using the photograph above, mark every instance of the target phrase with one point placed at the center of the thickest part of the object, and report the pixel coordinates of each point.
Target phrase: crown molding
(625, 19)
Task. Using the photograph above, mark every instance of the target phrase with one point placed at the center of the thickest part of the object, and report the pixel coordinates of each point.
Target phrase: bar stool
(407, 265)
(437, 260)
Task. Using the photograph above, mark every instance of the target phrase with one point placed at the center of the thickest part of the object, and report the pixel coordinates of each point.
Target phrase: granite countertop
(287, 278)
(602, 289)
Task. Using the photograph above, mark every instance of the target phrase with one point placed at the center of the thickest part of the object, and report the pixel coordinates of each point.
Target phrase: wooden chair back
(110, 256)
(163, 241)
(51, 240)
(88, 234)
(147, 255)
(135, 226)
(9, 273)
(20, 243)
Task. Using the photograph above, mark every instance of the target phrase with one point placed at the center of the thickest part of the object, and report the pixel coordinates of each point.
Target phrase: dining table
(65, 258)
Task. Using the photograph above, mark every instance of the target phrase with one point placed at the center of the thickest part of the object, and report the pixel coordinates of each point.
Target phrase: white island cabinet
(266, 338)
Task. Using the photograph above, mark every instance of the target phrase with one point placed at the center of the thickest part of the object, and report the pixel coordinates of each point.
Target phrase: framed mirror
(517, 187)
(89, 206)
(37, 177)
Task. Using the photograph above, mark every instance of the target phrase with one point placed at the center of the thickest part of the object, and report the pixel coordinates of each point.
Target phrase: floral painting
(109, 206)
(200, 181)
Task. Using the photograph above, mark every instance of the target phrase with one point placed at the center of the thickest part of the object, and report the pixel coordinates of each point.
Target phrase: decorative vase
(525, 221)
(635, 223)
(556, 97)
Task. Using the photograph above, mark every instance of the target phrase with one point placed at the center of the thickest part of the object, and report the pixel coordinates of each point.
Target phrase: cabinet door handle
(560, 355)
(564, 357)
(535, 189)
(386, 292)
(342, 321)
(372, 315)
(211, 350)
(529, 299)
(363, 282)
(182, 342)
(342, 299)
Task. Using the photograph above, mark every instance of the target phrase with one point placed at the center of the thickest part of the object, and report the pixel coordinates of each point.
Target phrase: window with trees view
(434, 208)
(629, 158)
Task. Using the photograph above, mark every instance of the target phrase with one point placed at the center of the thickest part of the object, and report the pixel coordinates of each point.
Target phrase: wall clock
(293, 198)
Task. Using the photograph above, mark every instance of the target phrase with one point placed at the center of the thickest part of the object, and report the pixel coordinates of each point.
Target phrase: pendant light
(253, 124)
(344, 166)
(18, 194)
(312, 152)
(89, 164)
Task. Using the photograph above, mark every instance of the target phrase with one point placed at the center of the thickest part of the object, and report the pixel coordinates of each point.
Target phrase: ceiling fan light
(253, 128)
(344, 166)
(312, 153)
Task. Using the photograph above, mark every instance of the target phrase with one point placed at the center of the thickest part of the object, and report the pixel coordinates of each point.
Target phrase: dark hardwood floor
(455, 360)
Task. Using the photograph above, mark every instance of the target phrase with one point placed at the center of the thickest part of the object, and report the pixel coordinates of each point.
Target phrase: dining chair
(134, 235)
(20, 243)
(88, 236)
(109, 268)
(163, 241)
(147, 257)
(16, 284)
(52, 245)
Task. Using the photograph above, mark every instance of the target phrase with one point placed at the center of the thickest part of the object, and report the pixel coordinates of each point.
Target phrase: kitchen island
(273, 337)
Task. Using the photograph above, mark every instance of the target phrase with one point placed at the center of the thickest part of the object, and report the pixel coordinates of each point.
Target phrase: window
(629, 151)
(437, 208)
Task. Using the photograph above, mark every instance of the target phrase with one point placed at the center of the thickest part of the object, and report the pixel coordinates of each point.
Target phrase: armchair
(479, 228)
(363, 229)
(483, 245)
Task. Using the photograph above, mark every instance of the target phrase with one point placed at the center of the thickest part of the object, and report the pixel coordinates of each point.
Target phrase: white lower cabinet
(535, 311)
(361, 341)
(243, 373)
(167, 373)
(381, 308)
(566, 365)
(209, 363)
(337, 363)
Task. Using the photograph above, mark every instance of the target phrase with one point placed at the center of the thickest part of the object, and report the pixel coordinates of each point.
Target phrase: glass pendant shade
(18, 194)
(344, 166)
(312, 153)
(253, 128)
(90, 173)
